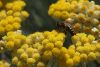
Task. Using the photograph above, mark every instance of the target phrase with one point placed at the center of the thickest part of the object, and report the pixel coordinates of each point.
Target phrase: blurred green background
(39, 19)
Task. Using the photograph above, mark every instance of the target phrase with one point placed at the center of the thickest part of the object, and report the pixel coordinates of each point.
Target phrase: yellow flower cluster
(86, 46)
(46, 43)
(11, 15)
(4, 63)
(82, 37)
(64, 9)
(84, 49)
(14, 40)
(39, 47)
(26, 56)
(84, 15)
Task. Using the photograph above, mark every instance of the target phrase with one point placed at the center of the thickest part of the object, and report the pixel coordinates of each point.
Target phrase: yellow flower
(51, 11)
(86, 49)
(24, 14)
(80, 49)
(72, 46)
(9, 19)
(2, 30)
(9, 5)
(47, 55)
(10, 45)
(20, 64)
(17, 43)
(56, 52)
(74, 2)
(63, 50)
(64, 15)
(70, 62)
(16, 8)
(97, 55)
(46, 33)
(36, 45)
(98, 47)
(67, 56)
(29, 51)
(83, 57)
(10, 33)
(78, 43)
(58, 44)
(3, 14)
(57, 14)
(84, 39)
(15, 60)
(24, 46)
(36, 56)
(49, 46)
(71, 52)
(40, 64)
(3, 23)
(7, 64)
(20, 3)
(24, 56)
(17, 19)
(9, 12)
(45, 41)
(54, 32)
(9, 27)
(51, 37)
(76, 60)
(40, 48)
(4, 63)
(91, 38)
(17, 14)
(93, 47)
(81, 35)
(77, 53)
(30, 60)
(75, 38)
(37, 37)
(60, 37)
(91, 56)
(87, 44)
(16, 26)
(22, 37)
(20, 51)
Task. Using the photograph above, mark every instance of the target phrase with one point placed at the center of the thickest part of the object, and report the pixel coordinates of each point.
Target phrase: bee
(66, 27)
